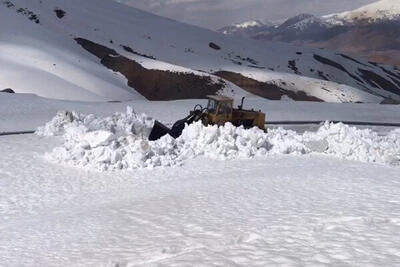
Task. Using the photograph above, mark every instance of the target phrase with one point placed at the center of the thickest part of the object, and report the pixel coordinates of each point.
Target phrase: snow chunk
(97, 138)
(57, 125)
(121, 142)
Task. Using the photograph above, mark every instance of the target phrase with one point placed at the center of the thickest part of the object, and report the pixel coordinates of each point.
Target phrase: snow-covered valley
(81, 184)
(268, 210)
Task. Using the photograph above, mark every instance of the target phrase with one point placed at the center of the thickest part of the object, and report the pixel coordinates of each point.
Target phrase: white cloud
(217, 13)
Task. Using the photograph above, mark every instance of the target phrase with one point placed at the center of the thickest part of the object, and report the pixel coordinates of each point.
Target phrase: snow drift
(120, 142)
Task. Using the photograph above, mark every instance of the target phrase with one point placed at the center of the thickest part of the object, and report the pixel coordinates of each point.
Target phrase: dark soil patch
(8, 90)
(60, 13)
(352, 59)
(8, 4)
(292, 66)
(322, 75)
(130, 50)
(336, 65)
(389, 101)
(256, 67)
(99, 51)
(214, 46)
(397, 82)
(377, 81)
(153, 84)
(391, 73)
(263, 89)
(29, 14)
(236, 62)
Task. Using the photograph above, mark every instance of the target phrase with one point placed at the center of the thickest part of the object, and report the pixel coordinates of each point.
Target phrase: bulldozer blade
(158, 131)
(178, 126)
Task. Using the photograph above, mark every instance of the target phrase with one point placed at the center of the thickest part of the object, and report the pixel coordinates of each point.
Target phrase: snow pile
(99, 142)
(354, 144)
(121, 142)
(69, 124)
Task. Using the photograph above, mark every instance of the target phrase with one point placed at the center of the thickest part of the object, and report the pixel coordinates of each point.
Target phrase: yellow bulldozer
(218, 112)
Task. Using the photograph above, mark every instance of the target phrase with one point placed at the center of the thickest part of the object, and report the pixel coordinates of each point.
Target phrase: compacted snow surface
(321, 205)
(121, 142)
(278, 211)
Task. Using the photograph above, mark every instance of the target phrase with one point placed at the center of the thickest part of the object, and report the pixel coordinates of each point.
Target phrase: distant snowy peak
(247, 24)
(382, 10)
(237, 28)
(371, 32)
(302, 22)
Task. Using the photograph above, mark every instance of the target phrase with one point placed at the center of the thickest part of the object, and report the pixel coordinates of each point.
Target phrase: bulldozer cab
(219, 110)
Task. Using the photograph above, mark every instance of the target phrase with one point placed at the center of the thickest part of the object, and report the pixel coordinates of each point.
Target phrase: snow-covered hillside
(34, 59)
(109, 51)
(381, 10)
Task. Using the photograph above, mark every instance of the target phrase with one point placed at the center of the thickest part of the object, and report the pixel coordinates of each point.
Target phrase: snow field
(121, 142)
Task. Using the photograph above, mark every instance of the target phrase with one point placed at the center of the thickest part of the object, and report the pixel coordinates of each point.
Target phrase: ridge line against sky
(214, 14)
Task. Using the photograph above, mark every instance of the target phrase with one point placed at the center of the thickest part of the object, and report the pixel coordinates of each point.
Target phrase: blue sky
(214, 14)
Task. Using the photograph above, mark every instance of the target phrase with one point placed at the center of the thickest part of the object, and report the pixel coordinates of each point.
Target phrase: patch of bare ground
(377, 81)
(7, 90)
(153, 84)
(264, 89)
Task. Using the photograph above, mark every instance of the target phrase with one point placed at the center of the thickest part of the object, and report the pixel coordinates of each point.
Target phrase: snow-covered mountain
(383, 10)
(303, 22)
(102, 50)
(371, 31)
(289, 29)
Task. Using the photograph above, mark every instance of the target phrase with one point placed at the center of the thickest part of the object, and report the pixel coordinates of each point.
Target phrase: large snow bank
(121, 142)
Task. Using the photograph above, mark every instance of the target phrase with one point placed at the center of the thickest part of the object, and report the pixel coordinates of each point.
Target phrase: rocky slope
(101, 50)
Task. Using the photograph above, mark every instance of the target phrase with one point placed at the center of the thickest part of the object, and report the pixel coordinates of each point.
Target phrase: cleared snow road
(284, 210)
(24, 112)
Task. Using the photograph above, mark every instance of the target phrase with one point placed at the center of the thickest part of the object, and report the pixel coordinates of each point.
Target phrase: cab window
(225, 108)
(212, 106)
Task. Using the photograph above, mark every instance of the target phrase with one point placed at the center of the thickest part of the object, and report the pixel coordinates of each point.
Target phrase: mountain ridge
(345, 32)
(126, 53)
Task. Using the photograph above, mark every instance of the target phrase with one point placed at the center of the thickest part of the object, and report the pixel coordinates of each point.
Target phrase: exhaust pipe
(241, 105)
